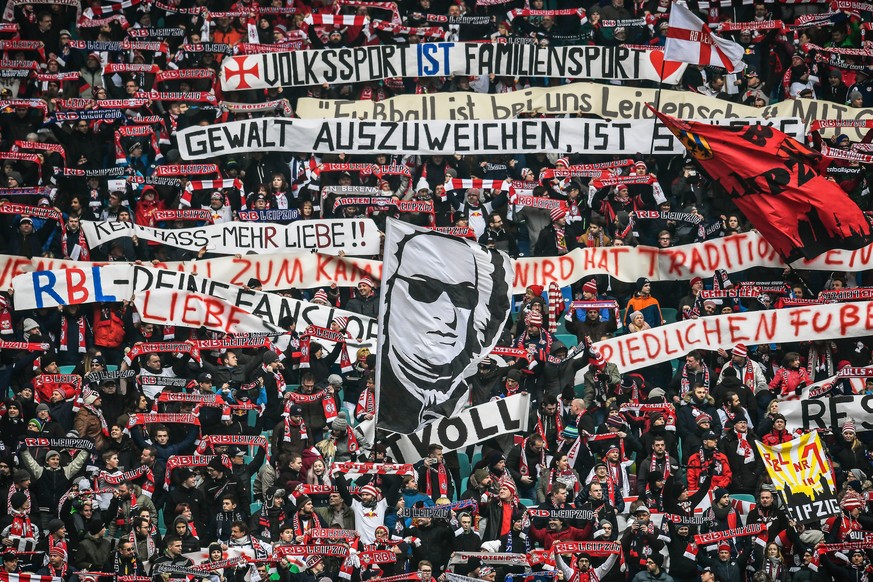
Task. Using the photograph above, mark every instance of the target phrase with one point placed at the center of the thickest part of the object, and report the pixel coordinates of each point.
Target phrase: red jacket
(717, 463)
(787, 380)
(775, 437)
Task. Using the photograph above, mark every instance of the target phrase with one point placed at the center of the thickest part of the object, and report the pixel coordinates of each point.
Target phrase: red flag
(774, 180)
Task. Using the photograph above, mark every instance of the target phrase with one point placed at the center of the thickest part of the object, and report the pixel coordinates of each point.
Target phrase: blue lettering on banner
(39, 289)
(77, 291)
(99, 297)
(429, 60)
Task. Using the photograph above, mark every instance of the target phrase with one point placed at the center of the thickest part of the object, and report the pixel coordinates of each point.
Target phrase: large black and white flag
(444, 301)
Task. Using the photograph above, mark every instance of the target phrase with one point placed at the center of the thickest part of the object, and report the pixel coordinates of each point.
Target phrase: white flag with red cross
(689, 40)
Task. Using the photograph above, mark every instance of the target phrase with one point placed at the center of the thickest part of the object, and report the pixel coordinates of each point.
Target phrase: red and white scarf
(6, 318)
(685, 384)
(328, 404)
(21, 531)
(65, 331)
(744, 449)
(442, 478)
(366, 403)
(541, 429)
(313, 331)
(150, 543)
(85, 254)
(524, 469)
(104, 428)
(301, 426)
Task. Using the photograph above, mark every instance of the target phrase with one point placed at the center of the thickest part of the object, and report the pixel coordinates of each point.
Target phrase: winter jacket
(92, 553)
(51, 484)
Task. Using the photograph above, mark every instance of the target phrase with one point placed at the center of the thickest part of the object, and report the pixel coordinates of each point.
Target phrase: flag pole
(657, 105)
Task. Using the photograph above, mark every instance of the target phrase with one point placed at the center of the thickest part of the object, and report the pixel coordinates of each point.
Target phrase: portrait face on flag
(444, 302)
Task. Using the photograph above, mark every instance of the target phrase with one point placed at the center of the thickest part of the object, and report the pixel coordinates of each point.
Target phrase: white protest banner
(462, 137)
(829, 413)
(443, 59)
(474, 425)
(307, 270)
(116, 282)
(330, 236)
(606, 101)
(667, 342)
(190, 309)
(276, 272)
(10, 267)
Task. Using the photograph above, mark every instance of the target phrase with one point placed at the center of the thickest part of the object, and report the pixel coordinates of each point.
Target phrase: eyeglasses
(427, 290)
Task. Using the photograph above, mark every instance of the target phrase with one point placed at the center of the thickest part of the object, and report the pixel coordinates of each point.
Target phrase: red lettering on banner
(13, 269)
(565, 268)
(689, 336)
(269, 235)
(768, 330)
(268, 276)
(603, 263)
(245, 264)
(682, 349)
(213, 309)
(817, 325)
(606, 352)
(189, 307)
(848, 317)
(521, 274)
(713, 255)
(653, 346)
(865, 254)
(697, 263)
(76, 290)
(295, 273)
(798, 320)
(677, 259)
(869, 323)
(829, 257)
(632, 348)
(321, 274)
(735, 329)
(588, 260)
(548, 271)
(154, 316)
(340, 271)
(708, 331)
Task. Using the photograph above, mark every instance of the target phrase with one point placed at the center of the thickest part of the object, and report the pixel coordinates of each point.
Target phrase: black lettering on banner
(867, 407)
(449, 425)
(813, 412)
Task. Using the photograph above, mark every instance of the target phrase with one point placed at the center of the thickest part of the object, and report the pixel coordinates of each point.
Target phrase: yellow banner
(802, 475)
(606, 101)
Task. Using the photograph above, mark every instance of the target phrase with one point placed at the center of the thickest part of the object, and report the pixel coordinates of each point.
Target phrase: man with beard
(370, 508)
(659, 460)
(767, 512)
(738, 445)
(708, 462)
(449, 311)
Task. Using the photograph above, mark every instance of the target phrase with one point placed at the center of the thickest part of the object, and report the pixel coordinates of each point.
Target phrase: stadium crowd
(102, 510)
